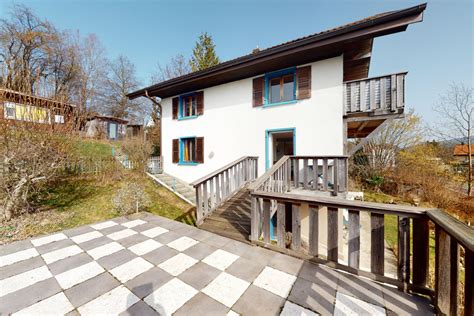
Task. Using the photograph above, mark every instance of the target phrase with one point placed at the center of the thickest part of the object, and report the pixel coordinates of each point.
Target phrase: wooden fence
(217, 187)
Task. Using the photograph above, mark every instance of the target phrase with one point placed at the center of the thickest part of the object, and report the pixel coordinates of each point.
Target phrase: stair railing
(219, 186)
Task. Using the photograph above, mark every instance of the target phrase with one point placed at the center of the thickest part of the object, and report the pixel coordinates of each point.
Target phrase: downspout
(161, 112)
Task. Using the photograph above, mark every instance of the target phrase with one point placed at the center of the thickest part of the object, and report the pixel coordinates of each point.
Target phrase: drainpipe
(158, 104)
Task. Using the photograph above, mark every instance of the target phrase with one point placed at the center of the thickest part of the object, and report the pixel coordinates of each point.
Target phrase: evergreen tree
(204, 54)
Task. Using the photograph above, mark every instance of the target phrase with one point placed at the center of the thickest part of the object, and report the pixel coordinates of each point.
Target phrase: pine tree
(204, 54)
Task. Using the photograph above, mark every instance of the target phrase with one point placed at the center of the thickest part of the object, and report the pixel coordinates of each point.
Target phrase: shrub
(131, 198)
(138, 151)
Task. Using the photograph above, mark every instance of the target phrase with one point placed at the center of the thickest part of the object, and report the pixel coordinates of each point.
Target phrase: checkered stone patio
(152, 265)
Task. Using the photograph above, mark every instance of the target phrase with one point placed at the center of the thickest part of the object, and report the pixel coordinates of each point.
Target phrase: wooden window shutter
(175, 108)
(303, 79)
(200, 102)
(258, 89)
(200, 149)
(175, 150)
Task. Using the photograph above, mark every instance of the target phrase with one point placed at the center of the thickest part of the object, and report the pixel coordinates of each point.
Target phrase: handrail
(378, 77)
(257, 183)
(226, 167)
(455, 228)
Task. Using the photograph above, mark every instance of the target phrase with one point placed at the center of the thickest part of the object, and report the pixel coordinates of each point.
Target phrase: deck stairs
(182, 189)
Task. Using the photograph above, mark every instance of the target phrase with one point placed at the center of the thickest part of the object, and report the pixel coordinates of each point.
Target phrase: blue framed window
(187, 106)
(188, 151)
(280, 87)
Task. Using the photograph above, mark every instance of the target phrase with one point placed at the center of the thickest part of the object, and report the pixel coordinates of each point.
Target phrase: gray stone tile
(200, 251)
(286, 264)
(55, 246)
(405, 304)
(94, 243)
(238, 248)
(171, 225)
(260, 255)
(148, 282)
(78, 231)
(132, 240)
(360, 288)
(88, 290)
(143, 227)
(257, 301)
(15, 247)
(200, 235)
(199, 275)
(114, 260)
(202, 304)
(69, 263)
(139, 309)
(20, 267)
(185, 230)
(319, 274)
(317, 297)
(159, 255)
(245, 269)
(112, 229)
(217, 241)
(30, 295)
(166, 238)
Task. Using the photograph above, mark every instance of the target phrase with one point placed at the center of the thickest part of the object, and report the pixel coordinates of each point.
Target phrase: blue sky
(436, 52)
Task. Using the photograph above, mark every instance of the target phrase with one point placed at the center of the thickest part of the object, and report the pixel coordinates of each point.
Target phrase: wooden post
(296, 172)
(313, 231)
(420, 251)
(332, 234)
(315, 174)
(335, 179)
(325, 174)
(377, 243)
(198, 204)
(205, 198)
(266, 221)
(404, 251)
(211, 193)
(469, 283)
(442, 272)
(281, 225)
(454, 277)
(354, 239)
(218, 193)
(288, 175)
(255, 220)
(305, 173)
(296, 227)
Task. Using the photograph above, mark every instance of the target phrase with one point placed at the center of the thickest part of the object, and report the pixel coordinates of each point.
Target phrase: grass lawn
(79, 201)
(98, 149)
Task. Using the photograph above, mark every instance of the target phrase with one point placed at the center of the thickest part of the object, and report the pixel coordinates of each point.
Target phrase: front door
(112, 130)
(279, 143)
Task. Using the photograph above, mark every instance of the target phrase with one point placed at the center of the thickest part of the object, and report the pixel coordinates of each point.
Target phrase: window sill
(183, 163)
(187, 117)
(279, 103)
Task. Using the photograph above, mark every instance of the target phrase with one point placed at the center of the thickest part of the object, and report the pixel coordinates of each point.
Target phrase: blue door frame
(268, 133)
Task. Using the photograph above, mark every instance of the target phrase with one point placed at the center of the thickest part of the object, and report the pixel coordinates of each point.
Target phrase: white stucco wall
(232, 128)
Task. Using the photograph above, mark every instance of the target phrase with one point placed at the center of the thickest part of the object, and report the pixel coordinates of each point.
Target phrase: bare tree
(455, 110)
(176, 67)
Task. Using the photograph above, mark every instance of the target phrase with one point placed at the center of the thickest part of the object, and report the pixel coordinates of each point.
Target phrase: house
(302, 97)
(134, 130)
(16, 106)
(109, 127)
(461, 152)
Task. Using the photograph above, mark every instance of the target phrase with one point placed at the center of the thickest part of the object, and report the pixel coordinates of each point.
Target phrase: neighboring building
(134, 130)
(302, 97)
(109, 127)
(461, 152)
(22, 107)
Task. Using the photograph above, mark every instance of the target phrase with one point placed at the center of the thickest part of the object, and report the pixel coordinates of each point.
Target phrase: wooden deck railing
(155, 165)
(377, 94)
(318, 173)
(217, 187)
(413, 251)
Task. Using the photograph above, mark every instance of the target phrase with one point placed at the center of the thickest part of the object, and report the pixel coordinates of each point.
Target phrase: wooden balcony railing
(413, 242)
(385, 94)
(220, 185)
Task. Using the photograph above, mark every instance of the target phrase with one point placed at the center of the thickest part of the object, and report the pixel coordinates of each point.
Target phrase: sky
(436, 52)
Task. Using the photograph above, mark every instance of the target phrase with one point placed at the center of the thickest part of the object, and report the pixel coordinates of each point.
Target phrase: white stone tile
(131, 269)
(291, 309)
(178, 264)
(113, 302)
(104, 225)
(55, 305)
(80, 274)
(121, 234)
(226, 288)
(170, 297)
(105, 250)
(18, 256)
(48, 239)
(275, 281)
(182, 243)
(133, 223)
(348, 305)
(25, 279)
(232, 313)
(153, 232)
(145, 247)
(62, 253)
(79, 239)
(220, 259)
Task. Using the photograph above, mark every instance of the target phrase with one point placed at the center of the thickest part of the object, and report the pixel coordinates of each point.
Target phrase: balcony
(369, 102)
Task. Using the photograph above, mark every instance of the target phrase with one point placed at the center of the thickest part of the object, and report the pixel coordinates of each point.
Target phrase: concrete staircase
(182, 189)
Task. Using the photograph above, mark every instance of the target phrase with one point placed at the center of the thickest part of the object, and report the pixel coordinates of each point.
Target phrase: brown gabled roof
(329, 43)
(462, 150)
